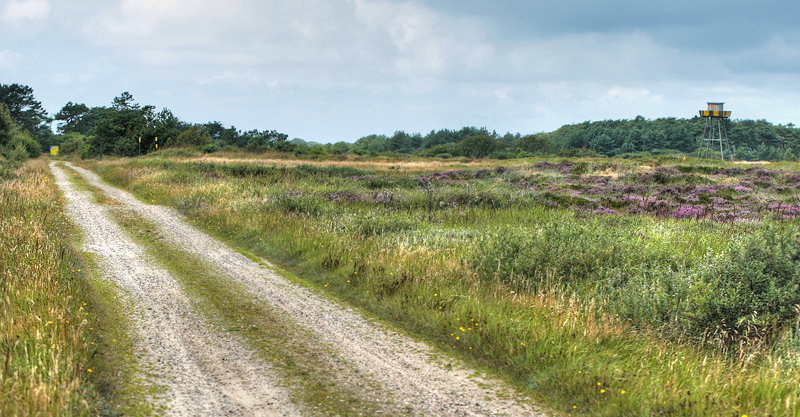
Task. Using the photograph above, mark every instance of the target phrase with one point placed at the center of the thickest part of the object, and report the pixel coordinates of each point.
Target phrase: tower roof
(715, 109)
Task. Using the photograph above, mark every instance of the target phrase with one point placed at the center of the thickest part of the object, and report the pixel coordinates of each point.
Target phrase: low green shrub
(26, 142)
(329, 171)
(755, 291)
(7, 169)
(566, 253)
(210, 148)
(16, 155)
(375, 223)
(73, 142)
(298, 204)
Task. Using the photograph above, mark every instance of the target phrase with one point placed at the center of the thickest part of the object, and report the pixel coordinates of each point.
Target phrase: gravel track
(205, 373)
(419, 379)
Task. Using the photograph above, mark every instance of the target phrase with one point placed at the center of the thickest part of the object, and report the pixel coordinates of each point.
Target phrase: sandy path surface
(205, 373)
(420, 380)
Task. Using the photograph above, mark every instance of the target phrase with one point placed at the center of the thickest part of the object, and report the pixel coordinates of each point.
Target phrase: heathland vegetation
(605, 287)
(646, 283)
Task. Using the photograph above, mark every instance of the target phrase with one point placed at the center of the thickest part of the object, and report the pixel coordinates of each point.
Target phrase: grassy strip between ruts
(564, 349)
(301, 361)
(118, 372)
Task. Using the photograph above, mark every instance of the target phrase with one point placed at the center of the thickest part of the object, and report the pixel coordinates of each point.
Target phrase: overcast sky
(331, 70)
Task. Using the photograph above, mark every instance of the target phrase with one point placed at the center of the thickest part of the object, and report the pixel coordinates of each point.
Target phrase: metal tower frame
(715, 131)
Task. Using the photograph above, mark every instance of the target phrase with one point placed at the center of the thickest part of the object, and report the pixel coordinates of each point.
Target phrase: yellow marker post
(156, 142)
(54, 150)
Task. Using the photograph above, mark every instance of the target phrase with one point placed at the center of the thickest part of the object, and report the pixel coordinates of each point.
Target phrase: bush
(210, 148)
(90, 148)
(28, 144)
(73, 142)
(563, 252)
(7, 169)
(8, 127)
(17, 155)
(578, 153)
(755, 292)
(329, 171)
(297, 203)
(501, 155)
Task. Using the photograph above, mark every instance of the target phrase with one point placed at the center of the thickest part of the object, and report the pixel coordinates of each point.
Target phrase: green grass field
(585, 283)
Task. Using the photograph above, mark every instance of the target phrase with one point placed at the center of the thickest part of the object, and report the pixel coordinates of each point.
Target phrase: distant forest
(117, 129)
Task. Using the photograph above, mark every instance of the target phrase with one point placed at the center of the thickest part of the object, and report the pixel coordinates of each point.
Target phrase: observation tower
(715, 132)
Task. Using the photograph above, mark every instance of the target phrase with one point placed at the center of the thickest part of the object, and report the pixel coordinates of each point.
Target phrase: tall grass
(594, 313)
(45, 338)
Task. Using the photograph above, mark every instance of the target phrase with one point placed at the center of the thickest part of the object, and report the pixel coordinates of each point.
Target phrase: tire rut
(201, 372)
(413, 373)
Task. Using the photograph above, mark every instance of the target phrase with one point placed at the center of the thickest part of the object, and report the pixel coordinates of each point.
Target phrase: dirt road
(212, 373)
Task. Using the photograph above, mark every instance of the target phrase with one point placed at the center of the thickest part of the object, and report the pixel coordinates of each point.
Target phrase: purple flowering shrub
(679, 192)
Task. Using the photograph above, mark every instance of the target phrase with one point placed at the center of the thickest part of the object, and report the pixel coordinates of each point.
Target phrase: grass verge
(57, 324)
(44, 339)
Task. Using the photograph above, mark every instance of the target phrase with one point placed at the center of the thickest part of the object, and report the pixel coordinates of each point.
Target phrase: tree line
(126, 128)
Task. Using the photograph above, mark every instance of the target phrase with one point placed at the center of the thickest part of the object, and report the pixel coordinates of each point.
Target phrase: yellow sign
(54, 150)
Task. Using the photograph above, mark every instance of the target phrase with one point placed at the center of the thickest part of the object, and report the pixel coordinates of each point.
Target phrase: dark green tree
(73, 117)
(118, 130)
(538, 144)
(371, 144)
(124, 102)
(25, 109)
(221, 135)
(478, 146)
(440, 137)
(402, 142)
(193, 136)
(7, 126)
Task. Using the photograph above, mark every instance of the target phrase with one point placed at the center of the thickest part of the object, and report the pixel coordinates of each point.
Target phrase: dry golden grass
(45, 338)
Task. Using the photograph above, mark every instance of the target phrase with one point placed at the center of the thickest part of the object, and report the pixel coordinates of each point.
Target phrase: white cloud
(9, 59)
(349, 42)
(627, 94)
(423, 41)
(399, 64)
(241, 79)
(166, 23)
(19, 10)
(502, 93)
